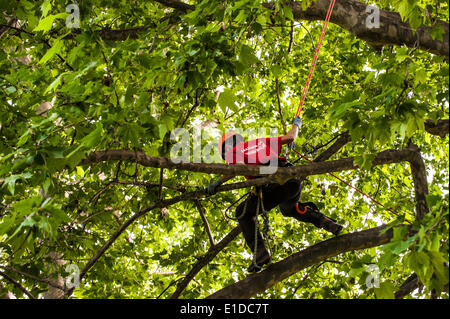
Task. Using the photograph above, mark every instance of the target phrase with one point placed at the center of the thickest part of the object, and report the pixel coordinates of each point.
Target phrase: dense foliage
(135, 70)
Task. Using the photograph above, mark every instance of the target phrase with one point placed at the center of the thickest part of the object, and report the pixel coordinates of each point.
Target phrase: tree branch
(279, 106)
(15, 283)
(351, 15)
(334, 148)
(440, 128)
(419, 175)
(317, 168)
(410, 284)
(281, 270)
(385, 157)
(201, 211)
(178, 5)
(205, 259)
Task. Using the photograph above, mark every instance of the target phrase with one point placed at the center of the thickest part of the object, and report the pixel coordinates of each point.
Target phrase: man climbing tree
(92, 180)
(262, 151)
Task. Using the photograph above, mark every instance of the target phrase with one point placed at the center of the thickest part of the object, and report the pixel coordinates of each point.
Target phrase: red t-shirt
(255, 152)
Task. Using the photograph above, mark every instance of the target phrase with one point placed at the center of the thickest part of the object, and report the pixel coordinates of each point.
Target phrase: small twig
(45, 281)
(279, 106)
(291, 38)
(161, 177)
(194, 106)
(201, 211)
(15, 283)
(170, 285)
(310, 36)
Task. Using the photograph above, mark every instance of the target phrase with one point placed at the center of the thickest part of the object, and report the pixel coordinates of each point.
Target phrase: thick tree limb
(260, 282)
(382, 158)
(419, 175)
(179, 5)
(440, 128)
(312, 255)
(385, 157)
(334, 148)
(17, 285)
(201, 211)
(351, 15)
(410, 284)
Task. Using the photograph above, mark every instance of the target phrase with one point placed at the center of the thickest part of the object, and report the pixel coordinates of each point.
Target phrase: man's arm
(211, 189)
(293, 133)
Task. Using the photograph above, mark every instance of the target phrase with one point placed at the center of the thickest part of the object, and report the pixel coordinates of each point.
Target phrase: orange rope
(305, 92)
(316, 55)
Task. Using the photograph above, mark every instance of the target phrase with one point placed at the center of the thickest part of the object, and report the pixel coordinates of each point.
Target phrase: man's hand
(290, 137)
(297, 121)
(211, 189)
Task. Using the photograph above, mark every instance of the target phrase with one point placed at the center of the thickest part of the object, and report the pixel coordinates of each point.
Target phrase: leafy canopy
(136, 70)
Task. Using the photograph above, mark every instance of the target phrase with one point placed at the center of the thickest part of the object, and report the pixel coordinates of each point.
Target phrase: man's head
(228, 141)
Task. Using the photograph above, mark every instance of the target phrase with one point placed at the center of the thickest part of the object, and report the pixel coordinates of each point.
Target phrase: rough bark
(351, 15)
(334, 148)
(316, 168)
(419, 175)
(440, 127)
(312, 255)
(410, 284)
(53, 291)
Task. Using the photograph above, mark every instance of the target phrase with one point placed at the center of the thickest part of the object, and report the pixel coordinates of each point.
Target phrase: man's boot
(263, 257)
(308, 212)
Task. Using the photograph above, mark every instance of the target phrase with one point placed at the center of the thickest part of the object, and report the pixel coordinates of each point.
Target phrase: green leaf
(287, 11)
(86, 143)
(47, 23)
(385, 291)
(54, 85)
(10, 181)
(227, 99)
(94, 137)
(45, 7)
(55, 49)
(419, 262)
(246, 56)
(10, 90)
(438, 260)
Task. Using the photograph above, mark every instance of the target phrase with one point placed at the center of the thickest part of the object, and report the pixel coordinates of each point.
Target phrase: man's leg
(309, 213)
(306, 212)
(246, 214)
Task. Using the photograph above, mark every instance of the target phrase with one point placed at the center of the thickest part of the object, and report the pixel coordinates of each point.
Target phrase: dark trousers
(285, 196)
